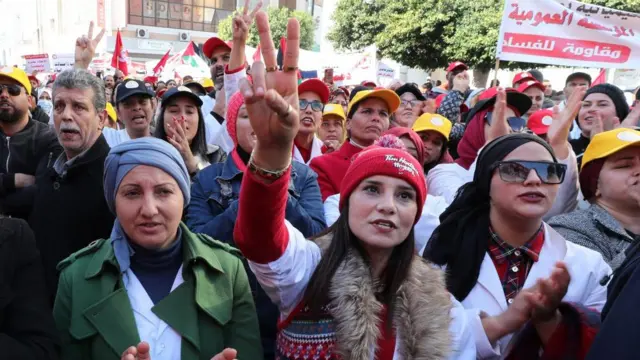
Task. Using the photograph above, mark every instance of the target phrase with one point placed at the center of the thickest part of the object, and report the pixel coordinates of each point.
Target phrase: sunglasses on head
(13, 89)
(517, 124)
(315, 105)
(517, 171)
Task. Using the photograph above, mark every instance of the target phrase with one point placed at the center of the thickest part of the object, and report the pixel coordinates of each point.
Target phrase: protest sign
(37, 63)
(62, 62)
(571, 33)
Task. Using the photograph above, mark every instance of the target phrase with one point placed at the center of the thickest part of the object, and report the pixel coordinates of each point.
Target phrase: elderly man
(135, 109)
(70, 210)
(26, 145)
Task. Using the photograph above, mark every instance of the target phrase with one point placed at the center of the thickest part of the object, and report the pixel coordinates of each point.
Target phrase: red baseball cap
(522, 76)
(315, 86)
(529, 84)
(214, 43)
(33, 77)
(540, 121)
(457, 65)
(368, 83)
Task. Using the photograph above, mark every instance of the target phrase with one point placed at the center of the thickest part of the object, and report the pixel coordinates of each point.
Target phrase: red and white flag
(601, 78)
(257, 55)
(120, 57)
(161, 64)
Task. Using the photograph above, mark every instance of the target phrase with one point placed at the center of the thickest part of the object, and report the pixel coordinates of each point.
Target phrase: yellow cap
(206, 83)
(608, 143)
(433, 122)
(18, 75)
(334, 109)
(389, 96)
(111, 112)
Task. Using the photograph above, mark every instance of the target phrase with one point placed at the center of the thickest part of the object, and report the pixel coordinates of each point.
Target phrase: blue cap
(181, 91)
(130, 88)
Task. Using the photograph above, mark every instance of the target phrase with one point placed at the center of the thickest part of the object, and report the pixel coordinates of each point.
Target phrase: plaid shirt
(513, 264)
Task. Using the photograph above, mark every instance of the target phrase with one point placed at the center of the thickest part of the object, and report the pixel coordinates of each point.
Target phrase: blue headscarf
(125, 157)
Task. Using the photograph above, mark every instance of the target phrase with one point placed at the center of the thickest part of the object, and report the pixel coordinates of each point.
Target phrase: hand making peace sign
(86, 48)
(272, 99)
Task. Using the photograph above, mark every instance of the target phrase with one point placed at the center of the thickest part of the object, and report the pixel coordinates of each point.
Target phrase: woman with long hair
(180, 122)
(503, 263)
(358, 291)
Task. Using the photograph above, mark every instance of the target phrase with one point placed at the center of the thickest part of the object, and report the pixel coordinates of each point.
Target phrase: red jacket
(332, 167)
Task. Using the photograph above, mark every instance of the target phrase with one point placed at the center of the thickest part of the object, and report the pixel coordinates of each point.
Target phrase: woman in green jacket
(154, 288)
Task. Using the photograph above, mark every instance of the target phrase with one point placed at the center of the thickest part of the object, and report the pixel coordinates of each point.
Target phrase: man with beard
(135, 109)
(69, 209)
(26, 145)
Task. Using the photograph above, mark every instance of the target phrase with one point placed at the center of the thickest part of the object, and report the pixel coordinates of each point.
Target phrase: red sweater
(332, 167)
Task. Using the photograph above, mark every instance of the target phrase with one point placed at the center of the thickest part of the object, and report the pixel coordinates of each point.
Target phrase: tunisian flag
(161, 64)
(120, 56)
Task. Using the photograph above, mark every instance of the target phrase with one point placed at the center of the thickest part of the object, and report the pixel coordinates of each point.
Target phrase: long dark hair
(198, 144)
(317, 293)
(462, 239)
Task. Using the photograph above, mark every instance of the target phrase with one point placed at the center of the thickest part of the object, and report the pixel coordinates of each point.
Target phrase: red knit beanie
(396, 163)
(233, 108)
(589, 176)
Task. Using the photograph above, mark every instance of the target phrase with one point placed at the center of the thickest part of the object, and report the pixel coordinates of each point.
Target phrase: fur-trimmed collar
(421, 317)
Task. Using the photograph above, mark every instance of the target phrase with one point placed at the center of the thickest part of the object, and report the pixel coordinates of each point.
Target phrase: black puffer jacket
(27, 152)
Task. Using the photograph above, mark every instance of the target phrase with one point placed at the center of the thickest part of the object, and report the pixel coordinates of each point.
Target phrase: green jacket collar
(194, 251)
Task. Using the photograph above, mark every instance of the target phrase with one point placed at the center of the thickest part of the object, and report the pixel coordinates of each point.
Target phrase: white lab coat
(585, 266)
(285, 281)
(316, 150)
(165, 343)
(445, 180)
(434, 206)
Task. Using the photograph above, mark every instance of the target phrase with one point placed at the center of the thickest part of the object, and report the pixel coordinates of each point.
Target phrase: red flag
(161, 64)
(257, 54)
(120, 56)
(601, 78)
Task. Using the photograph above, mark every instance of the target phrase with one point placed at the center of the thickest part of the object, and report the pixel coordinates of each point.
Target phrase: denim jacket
(214, 208)
(214, 201)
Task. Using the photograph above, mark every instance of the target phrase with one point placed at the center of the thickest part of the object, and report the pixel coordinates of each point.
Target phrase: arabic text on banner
(571, 33)
(37, 63)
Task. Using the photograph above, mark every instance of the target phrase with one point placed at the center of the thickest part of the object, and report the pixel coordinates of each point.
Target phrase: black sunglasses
(13, 89)
(517, 124)
(315, 105)
(517, 171)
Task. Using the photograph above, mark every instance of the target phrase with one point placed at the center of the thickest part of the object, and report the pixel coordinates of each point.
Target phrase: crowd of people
(255, 215)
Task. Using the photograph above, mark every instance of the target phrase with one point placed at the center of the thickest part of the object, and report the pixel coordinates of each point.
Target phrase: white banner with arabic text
(571, 33)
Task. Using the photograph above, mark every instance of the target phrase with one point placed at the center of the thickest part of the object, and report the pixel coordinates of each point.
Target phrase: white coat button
(517, 252)
(514, 269)
(510, 301)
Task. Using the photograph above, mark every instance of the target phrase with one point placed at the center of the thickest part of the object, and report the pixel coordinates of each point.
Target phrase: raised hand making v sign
(86, 48)
(272, 100)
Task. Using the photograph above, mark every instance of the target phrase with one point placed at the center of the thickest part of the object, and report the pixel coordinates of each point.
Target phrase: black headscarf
(462, 239)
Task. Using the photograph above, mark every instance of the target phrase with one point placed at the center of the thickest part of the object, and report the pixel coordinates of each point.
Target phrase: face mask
(46, 105)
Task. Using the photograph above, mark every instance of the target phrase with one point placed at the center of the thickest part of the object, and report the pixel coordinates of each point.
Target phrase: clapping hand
(139, 352)
(86, 48)
(558, 133)
(499, 125)
(272, 99)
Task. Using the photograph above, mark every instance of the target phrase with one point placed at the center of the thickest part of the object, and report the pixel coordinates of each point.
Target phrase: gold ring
(291, 68)
(271, 68)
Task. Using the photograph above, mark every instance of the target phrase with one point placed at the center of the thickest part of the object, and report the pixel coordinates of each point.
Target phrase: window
(200, 15)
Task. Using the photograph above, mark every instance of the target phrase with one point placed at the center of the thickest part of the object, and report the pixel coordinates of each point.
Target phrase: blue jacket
(214, 208)
(214, 201)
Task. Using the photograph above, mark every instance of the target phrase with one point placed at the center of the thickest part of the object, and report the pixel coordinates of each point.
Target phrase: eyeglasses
(516, 123)
(13, 89)
(315, 105)
(410, 102)
(517, 171)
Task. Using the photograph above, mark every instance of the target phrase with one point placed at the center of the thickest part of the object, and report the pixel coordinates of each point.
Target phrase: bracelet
(264, 173)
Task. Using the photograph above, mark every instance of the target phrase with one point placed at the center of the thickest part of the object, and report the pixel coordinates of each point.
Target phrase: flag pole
(495, 76)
